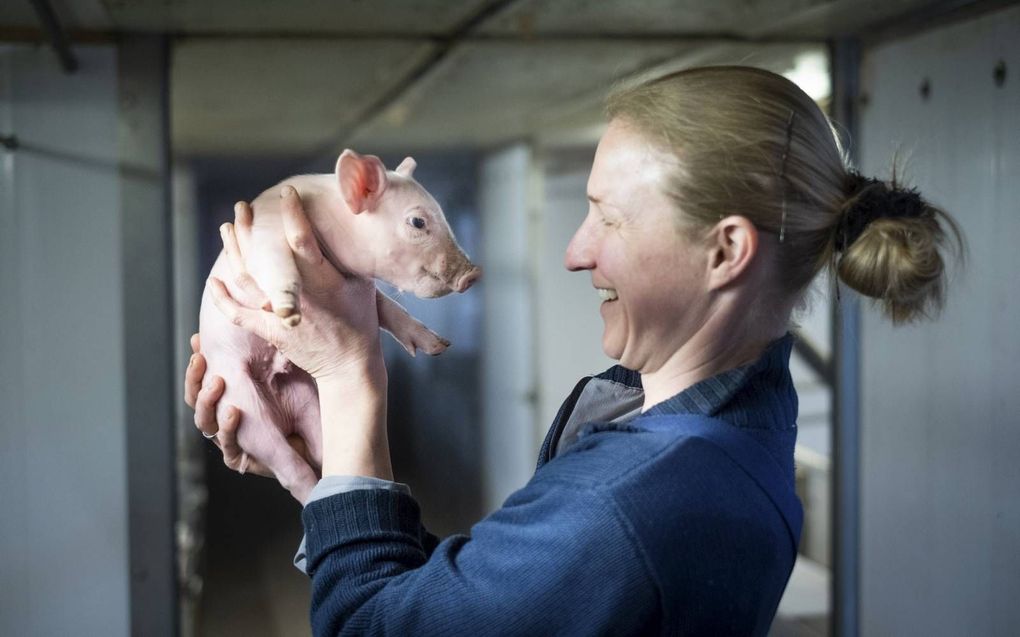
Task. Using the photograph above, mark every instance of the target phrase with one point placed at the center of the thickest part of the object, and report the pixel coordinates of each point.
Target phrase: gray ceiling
(302, 77)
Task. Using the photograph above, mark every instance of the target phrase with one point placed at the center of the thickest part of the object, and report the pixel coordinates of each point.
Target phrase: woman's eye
(418, 222)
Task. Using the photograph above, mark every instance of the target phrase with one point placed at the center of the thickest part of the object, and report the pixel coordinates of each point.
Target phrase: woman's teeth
(606, 294)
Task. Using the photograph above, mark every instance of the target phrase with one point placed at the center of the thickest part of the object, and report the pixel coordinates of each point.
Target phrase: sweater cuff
(358, 516)
(331, 485)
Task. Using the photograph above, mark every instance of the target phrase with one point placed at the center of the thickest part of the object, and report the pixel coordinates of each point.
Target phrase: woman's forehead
(624, 161)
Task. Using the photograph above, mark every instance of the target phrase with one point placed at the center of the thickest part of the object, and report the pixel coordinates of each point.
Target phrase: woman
(663, 500)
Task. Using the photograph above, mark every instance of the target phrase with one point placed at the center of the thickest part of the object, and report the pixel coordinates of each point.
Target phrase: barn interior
(130, 127)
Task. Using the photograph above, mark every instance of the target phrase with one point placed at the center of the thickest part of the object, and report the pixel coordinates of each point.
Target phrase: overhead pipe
(50, 24)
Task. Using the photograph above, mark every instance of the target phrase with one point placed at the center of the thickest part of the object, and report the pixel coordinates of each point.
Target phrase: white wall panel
(63, 475)
(940, 413)
(508, 413)
(569, 326)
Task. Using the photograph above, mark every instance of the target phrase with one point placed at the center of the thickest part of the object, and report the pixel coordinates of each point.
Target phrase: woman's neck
(718, 346)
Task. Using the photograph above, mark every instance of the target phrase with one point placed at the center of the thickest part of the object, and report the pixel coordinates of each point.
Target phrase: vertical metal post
(146, 235)
(845, 56)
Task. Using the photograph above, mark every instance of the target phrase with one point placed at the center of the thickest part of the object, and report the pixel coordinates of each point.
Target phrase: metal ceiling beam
(932, 15)
(37, 36)
(55, 34)
(15, 34)
(694, 37)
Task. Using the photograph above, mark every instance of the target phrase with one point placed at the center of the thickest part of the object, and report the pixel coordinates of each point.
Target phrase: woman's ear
(733, 245)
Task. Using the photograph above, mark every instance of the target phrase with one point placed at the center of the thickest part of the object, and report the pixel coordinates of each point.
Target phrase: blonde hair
(751, 143)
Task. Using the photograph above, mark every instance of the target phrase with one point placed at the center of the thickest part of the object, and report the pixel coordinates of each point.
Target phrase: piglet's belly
(276, 399)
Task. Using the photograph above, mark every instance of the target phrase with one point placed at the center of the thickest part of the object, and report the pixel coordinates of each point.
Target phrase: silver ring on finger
(209, 436)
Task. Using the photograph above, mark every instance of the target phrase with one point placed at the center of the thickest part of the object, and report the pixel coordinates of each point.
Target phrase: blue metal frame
(845, 58)
(148, 333)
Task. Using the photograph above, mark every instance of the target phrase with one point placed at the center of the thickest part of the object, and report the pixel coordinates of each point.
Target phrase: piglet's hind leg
(291, 470)
(301, 398)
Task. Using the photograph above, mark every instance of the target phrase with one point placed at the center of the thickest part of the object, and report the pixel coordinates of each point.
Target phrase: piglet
(370, 223)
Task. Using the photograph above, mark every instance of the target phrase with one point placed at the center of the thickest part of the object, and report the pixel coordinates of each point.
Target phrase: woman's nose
(579, 251)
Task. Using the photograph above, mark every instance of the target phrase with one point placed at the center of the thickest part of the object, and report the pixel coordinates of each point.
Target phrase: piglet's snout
(466, 279)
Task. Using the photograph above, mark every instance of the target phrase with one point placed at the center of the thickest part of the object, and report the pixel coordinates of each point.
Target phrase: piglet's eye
(417, 222)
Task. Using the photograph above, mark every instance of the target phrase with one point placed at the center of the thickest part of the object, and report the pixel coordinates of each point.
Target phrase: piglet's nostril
(467, 279)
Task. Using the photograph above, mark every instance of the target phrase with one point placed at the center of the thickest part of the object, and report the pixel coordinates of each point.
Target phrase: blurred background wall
(940, 517)
(88, 476)
(129, 129)
(63, 467)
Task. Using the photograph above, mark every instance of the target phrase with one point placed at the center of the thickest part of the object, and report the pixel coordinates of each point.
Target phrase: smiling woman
(648, 274)
(663, 500)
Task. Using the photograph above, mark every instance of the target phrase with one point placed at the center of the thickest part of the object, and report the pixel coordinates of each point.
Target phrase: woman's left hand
(203, 398)
(338, 335)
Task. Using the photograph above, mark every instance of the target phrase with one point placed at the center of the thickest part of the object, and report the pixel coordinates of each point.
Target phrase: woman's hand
(224, 435)
(337, 341)
(338, 336)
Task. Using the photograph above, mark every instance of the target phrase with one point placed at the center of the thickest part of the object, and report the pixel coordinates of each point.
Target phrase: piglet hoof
(285, 305)
(414, 336)
(288, 314)
(433, 344)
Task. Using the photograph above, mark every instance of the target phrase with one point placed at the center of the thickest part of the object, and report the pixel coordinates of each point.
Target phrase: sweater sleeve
(555, 559)
(331, 485)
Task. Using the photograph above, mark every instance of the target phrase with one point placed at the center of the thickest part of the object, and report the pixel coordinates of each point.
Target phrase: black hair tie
(872, 199)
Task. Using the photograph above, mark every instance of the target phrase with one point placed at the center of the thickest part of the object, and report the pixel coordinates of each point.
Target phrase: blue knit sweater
(620, 531)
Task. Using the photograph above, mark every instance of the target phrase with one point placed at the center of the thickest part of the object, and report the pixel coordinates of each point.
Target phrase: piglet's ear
(362, 180)
(406, 167)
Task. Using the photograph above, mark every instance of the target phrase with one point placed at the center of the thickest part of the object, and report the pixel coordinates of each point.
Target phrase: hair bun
(891, 243)
(871, 199)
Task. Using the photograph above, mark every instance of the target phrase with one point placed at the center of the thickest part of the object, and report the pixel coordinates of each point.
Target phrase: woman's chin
(611, 348)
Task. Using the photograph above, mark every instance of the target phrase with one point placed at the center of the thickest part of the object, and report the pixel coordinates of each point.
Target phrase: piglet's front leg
(272, 264)
(409, 331)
